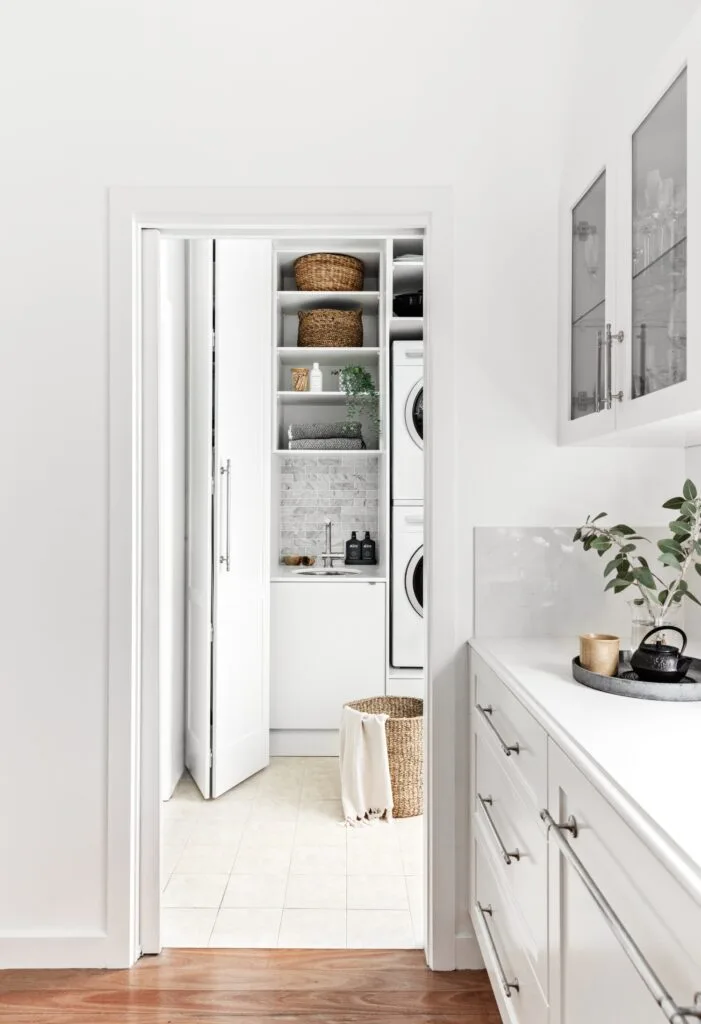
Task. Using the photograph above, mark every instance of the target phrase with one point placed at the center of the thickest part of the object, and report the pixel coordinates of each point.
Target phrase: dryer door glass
(415, 414)
(414, 581)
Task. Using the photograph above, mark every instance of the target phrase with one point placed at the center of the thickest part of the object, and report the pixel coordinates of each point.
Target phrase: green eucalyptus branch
(679, 552)
(361, 394)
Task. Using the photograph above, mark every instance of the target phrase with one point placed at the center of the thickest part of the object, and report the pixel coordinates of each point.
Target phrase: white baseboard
(59, 951)
(304, 742)
(467, 954)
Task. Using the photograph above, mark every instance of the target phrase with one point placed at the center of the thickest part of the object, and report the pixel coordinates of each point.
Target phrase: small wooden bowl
(308, 559)
(292, 559)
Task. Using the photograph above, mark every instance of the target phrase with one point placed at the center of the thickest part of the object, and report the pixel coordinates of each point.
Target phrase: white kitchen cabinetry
(328, 647)
(630, 360)
(577, 917)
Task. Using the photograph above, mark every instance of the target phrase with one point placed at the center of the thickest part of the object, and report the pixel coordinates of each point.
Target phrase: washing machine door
(414, 414)
(414, 581)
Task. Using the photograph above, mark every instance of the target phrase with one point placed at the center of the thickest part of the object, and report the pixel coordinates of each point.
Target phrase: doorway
(173, 210)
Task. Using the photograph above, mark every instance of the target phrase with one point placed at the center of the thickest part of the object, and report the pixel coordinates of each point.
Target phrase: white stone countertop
(289, 574)
(643, 755)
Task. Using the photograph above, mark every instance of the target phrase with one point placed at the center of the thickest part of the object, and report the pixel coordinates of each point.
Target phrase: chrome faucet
(329, 554)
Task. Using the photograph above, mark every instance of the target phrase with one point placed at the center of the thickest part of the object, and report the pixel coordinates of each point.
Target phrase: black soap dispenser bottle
(367, 548)
(353, 550)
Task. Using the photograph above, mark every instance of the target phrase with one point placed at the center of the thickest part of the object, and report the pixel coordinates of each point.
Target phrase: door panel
(240, 692)
(198, 742)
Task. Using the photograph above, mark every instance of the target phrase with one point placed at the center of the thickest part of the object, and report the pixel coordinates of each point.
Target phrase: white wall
(458, 92)
(172, 370)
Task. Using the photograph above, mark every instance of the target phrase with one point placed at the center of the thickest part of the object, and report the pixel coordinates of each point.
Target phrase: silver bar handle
(508, 855)
(486, 710)
(674, 1014)
(506, 985)
(609, 395)
(225, 559)
(600, 383)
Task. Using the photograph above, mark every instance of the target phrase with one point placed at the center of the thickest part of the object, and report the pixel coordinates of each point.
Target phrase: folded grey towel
(347, 444)
(302, 431)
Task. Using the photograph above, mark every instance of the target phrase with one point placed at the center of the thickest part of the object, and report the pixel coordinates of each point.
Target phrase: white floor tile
(319, 812)
(269, 833)
(235, 812)
(206, 860)
(415, 892)
(188, 928)
(380, 929)
(316, 892)
(246, 929)
(264, 860)
(177, 830)
(332, 833)
(270, 809)
(321, 788)
(313, 929)
(377, 892)
(313, 860)
(255, 891)
(170, 855)
(374, 860)
(412, 860)
(216, 832)
(194, 890)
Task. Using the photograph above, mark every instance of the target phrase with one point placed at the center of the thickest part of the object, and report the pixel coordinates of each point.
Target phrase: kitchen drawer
(508, 822)
(519, 741)
(658, 914)
(507, 961)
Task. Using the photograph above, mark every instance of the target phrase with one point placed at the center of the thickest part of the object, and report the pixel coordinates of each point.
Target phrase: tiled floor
(270, 864)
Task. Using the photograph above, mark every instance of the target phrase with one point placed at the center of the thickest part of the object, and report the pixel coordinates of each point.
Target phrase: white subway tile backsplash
(318, 487)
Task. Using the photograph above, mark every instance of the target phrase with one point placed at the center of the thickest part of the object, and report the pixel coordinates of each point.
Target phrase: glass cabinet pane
(588, 299)
(659, 245)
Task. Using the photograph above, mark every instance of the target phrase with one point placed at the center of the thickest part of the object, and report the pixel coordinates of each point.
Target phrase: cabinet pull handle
(609, 394)
(600, 382)
(506, 985)
(508, 855)
(486, 710)
(674, 1014)
(225, 559)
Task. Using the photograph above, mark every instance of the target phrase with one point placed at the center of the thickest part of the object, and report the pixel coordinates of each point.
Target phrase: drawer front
(498, 923)
(660, 917)
(515, 837)
(511, 726)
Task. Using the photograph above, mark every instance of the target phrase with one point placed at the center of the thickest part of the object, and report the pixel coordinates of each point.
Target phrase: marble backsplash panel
(534, 581)
(315, 488)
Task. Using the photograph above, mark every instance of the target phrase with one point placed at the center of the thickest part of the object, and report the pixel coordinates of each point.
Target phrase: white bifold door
(229, 389)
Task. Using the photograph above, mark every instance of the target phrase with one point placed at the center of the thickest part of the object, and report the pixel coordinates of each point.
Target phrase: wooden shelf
(293, 355)
(311, 397)
(359, 452)
(292, 301)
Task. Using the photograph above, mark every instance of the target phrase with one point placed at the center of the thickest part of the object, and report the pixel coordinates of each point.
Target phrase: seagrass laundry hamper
(405, 748)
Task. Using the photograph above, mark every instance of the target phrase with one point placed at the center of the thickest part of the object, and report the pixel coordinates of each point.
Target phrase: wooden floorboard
(228, 986)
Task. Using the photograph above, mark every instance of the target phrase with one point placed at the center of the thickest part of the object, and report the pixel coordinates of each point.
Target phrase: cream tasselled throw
(366, 787)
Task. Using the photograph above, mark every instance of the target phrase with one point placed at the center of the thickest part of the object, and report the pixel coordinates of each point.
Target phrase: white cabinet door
(327, 647)
(591, 976)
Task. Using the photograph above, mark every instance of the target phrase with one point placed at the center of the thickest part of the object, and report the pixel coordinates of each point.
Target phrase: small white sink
(327, 572)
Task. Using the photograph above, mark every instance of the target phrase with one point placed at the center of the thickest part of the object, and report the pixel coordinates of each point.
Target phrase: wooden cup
(598, 652)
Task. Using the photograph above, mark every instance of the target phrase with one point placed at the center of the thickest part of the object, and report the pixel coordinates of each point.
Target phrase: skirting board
(304, 743)
(467, 954)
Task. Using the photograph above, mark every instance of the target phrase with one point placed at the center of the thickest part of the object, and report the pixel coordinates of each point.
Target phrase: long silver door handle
(486, 710)
(609, 394)
(674, 1014)
(225, 559)
(508, 855)
(600, 382)
(506, 985)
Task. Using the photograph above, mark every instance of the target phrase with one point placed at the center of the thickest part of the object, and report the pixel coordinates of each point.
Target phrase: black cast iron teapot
(658, 662)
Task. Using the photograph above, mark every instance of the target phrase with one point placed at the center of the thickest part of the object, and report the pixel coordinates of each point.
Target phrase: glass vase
(641, 622)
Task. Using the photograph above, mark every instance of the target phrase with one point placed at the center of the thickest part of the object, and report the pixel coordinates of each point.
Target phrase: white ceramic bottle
(316, 379)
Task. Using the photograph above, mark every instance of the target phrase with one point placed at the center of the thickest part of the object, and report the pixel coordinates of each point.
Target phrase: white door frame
(133, 770)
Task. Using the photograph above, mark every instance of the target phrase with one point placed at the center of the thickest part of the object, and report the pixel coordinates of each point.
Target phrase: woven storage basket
(329, 272)
(405, 749)
(330, 328)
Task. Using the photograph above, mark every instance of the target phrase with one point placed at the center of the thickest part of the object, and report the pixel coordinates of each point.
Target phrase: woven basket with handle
(405, 748)
(330, 328)
(329, 272)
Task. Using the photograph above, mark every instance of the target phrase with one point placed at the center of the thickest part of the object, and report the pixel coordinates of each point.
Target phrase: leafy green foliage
(627, 568)
(362, 395)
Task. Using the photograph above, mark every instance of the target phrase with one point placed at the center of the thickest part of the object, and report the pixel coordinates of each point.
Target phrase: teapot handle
(673, 629)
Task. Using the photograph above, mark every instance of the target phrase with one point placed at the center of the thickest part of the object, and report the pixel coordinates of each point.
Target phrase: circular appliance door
(414, 413)
(414, 581)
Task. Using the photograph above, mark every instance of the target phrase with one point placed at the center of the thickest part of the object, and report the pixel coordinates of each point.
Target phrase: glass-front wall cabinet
(659, 335)
(588, 300)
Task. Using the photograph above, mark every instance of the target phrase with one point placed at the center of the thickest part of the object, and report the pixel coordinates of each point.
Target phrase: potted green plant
(679, 553)
(362, 396)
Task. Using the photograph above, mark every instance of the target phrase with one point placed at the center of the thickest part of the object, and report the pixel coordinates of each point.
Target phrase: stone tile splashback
(534, 581)
(333, 486)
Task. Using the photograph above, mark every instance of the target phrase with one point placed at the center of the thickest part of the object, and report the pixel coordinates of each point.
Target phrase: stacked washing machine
(407, 634)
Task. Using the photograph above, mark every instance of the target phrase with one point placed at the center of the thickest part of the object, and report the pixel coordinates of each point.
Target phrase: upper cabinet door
(587, 368)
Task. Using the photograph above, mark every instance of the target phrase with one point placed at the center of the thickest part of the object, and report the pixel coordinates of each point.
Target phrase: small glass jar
(641, 622)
